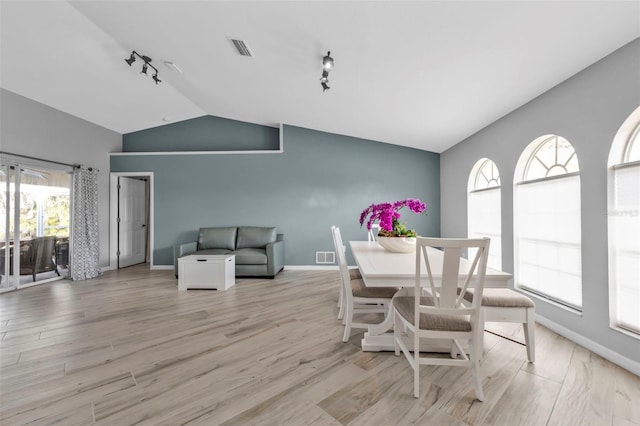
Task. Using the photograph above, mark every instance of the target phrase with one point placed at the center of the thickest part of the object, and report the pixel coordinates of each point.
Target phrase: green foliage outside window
(56, 220)
(55, 214)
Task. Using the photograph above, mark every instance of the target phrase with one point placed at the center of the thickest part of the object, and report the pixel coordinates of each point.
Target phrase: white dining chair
(354, 274)
(357, 298)
(371, 234)
(507, 305)
(444, 313)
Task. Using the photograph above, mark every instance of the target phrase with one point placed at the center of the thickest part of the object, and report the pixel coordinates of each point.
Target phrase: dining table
(382, 268)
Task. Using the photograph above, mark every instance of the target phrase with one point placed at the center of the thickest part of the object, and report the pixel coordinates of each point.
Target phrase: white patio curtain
(85, 247)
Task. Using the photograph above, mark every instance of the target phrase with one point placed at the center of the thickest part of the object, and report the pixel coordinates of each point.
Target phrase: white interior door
(132, 231)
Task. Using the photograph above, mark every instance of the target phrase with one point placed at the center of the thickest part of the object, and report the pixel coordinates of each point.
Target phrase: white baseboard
(107, 268)
(616, 358)
(157, 267)
(287, 267)
(310, 268)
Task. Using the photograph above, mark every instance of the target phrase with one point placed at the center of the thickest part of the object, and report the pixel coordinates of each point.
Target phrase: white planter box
(206, 271)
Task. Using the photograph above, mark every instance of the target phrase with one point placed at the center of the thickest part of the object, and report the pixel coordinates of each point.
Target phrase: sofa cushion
(251, 256)
(217, 238)
(213, 251)
(255, 236)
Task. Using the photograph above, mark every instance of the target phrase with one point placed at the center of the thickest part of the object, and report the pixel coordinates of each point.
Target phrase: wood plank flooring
(128, 348)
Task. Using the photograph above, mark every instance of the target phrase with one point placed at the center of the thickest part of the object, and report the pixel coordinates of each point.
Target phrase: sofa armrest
(275, 256)
(180, 250)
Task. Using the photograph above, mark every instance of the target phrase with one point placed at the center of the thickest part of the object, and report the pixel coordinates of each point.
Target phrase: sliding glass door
(35, 209)
(7, 216)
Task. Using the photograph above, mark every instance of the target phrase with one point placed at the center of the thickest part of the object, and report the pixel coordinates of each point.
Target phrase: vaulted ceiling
(423, 74)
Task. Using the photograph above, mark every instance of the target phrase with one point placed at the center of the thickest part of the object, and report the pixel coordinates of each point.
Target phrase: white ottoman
(213, 271)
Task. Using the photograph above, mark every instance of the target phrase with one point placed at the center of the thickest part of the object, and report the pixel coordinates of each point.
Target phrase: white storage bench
(207, 271)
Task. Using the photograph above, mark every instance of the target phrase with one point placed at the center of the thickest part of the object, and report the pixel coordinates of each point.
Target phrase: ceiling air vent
(241, 47)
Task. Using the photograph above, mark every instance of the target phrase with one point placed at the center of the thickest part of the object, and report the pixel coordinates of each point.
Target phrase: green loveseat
(259, 250)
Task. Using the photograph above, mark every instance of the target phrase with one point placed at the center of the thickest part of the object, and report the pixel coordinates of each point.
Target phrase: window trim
(626, 138)
(493, 188)
(625, 165)
(548, 178)
(533, 156)
(527, 157)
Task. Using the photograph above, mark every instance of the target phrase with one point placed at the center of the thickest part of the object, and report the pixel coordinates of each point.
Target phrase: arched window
(547, 239)
(483, 208)
(624, 226)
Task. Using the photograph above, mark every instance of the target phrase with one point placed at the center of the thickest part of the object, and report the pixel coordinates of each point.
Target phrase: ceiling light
(327, 65)
(327, 62)
(131, 59)
(145, 66)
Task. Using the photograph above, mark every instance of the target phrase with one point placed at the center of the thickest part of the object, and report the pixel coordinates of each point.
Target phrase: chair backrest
(448, 296)
(29, 252)
(342, 259)
(46, 253)
(62, 252)
(371, 235)
(40, 255)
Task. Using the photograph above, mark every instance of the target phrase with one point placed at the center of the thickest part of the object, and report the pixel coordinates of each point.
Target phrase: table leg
(379, 337)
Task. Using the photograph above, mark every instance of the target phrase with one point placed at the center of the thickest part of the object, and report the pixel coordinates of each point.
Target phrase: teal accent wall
(319, 180)
(206, 133)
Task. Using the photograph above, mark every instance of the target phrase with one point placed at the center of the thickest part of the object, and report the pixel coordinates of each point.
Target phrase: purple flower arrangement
(387, 215)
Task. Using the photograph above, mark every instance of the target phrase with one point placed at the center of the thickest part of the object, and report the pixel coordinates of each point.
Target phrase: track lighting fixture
(145, 65)
(327, 65)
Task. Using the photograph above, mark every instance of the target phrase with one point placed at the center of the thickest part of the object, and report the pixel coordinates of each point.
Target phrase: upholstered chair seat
(502, 298)
(404, 306)
(358, 289)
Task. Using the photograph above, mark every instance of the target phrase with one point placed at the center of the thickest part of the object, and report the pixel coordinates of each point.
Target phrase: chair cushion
(502, 298)
(358, 289)
(251, 256)
(217, 238)
(354, 274)
(404, 305)
(255, 236)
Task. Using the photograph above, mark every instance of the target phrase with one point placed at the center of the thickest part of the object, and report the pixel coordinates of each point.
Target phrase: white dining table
(381, 268)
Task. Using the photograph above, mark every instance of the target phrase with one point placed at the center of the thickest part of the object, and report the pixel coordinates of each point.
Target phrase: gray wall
(36, 130)
(587, 110)
(320, 179)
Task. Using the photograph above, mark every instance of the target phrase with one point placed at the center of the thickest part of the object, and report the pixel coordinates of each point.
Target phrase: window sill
(625, 332)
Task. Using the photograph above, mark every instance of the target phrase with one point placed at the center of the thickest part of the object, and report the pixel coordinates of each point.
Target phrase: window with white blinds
(624, 236)
(484, 208)
(547, 234)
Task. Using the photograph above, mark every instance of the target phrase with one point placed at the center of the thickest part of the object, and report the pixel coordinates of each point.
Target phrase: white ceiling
(424, 74)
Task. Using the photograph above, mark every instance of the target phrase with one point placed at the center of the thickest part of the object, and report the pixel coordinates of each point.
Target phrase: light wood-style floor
(128, 348)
